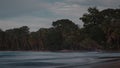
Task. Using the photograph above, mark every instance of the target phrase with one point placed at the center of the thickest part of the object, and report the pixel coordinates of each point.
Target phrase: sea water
(20, 59)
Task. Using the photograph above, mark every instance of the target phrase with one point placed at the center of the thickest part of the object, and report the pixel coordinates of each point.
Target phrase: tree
(93, 17)
(101, 26)
(2, 37)
(67, 29)
(64, 25)
(92, 25)
(110, 26)
(54, 40)
(19, 38)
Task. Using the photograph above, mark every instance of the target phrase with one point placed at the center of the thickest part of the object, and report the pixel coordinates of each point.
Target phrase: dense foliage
(101, 31)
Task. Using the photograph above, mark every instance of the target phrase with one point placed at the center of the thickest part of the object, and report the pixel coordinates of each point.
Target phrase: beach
(114, 64)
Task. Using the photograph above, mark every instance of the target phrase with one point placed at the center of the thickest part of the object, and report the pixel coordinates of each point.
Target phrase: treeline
(101, 31)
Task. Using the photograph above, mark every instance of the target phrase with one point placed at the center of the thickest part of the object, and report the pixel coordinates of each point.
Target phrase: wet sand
(115, 64)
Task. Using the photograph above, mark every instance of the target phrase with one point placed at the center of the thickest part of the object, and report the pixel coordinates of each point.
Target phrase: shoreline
(113, 64)
(104, 51)
(53, 50)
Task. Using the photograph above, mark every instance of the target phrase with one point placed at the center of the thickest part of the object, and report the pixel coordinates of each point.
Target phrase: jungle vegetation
(101, 31)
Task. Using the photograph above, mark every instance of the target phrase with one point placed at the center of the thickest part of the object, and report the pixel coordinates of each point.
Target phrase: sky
(38, 14)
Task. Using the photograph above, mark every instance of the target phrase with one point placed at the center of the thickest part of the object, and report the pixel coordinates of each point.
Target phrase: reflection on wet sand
(115, 64)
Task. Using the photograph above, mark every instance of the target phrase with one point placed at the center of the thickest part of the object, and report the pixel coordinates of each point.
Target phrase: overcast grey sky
(41, 13)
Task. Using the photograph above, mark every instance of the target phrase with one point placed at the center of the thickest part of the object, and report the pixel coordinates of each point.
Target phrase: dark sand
(114, 64)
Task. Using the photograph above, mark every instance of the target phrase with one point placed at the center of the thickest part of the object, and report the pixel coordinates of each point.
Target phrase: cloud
(41, 13)
(99, 3)
(34, 23)
(13, 8)
(68, 9)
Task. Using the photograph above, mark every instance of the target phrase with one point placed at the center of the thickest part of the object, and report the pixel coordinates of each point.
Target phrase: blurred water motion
(19, 59)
